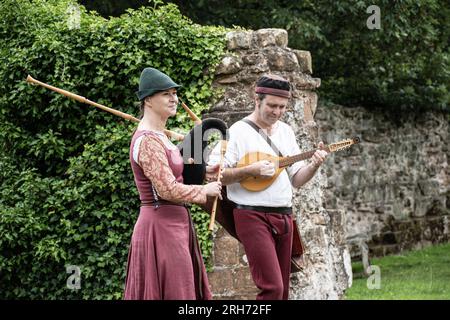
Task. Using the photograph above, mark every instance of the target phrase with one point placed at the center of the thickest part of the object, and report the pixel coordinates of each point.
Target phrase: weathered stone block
(376, 251)
(254, 58)
(304, 61)
(376, 240)
(318, 219)
(242, 281)
(391, 249)
(436, 208)
(309, 102)
(225, 251)
(238, 40)
(227, 79)
(281, 60)
(259, 68)
(229, 65)
(303, 81)
(379, 209)
(270, 37)
(243, 261)
(221, 281)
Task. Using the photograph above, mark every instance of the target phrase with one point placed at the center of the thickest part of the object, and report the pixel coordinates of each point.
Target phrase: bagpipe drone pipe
(193, 149)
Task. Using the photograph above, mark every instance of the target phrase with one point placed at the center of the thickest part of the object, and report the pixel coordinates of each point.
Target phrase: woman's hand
(214, 189)
(212, 173)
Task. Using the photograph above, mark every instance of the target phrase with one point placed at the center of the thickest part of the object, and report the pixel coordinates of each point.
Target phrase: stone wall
(394, 187)
(328, 271)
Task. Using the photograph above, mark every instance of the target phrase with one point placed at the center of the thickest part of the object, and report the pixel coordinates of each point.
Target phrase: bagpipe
(192, 147)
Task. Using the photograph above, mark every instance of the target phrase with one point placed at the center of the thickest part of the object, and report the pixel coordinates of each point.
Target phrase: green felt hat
(153, 81)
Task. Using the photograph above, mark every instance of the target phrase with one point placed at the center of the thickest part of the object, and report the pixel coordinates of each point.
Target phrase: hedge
(67, 192)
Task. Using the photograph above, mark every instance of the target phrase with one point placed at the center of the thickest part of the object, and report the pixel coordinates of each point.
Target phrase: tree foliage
(404, 65)
(67, 193)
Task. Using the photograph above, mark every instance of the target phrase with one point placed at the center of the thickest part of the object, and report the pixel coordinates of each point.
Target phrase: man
(263, 219)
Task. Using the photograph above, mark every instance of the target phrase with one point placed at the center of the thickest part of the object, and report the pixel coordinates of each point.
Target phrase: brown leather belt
(282, 210)
(160, 202)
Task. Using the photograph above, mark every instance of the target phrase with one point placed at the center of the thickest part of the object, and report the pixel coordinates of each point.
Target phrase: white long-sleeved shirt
(244, 139)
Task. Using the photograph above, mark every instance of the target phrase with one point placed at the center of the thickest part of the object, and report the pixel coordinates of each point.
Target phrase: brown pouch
(298, 250)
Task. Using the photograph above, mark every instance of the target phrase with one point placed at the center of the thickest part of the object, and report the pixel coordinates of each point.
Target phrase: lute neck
(287, 161)
(341, 145)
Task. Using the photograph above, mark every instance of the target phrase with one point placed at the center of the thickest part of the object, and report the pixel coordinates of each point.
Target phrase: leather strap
(265, 136)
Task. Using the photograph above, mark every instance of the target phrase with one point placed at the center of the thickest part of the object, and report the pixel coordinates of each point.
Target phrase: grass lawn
(422, 274)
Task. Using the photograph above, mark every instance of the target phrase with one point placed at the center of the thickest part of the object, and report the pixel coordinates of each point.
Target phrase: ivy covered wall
(67, 195)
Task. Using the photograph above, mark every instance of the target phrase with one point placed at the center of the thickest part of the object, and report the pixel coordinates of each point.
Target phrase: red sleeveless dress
(164, 260)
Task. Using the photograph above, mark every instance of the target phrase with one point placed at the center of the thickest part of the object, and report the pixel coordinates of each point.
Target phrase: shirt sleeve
(293, 150)
(153, 161)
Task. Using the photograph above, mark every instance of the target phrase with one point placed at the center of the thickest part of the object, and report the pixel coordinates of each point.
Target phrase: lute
(281, 163)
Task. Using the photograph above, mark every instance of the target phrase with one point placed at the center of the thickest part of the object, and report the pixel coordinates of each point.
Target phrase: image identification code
(226, 309)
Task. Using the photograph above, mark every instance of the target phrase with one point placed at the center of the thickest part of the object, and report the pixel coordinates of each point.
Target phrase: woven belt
(282, 210)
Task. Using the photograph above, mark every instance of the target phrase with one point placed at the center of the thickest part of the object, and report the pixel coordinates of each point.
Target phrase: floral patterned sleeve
(154, 163)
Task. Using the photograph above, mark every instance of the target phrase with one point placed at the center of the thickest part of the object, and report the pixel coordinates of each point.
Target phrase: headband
(273, 87)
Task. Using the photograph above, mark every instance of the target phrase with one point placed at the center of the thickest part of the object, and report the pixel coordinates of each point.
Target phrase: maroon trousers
(267, 240)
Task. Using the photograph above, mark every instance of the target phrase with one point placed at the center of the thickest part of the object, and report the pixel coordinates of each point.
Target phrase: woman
(164, 260)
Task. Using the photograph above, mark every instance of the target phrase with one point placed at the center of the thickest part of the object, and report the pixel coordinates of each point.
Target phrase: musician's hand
(214, 189)
(264, 168)
(319, 156)
(212, 172)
